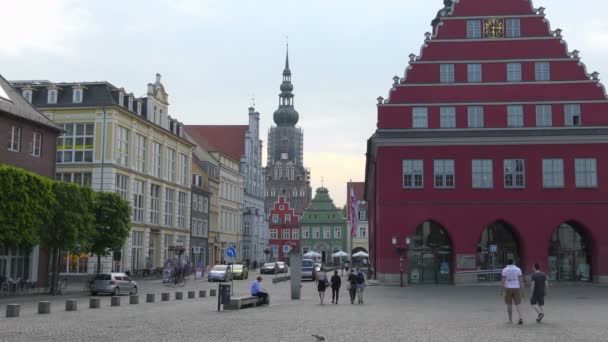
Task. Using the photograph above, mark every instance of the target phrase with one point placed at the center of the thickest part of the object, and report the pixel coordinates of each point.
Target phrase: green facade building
(322, 227)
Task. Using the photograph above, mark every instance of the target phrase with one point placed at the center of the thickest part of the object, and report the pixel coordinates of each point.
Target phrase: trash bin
(225, 293)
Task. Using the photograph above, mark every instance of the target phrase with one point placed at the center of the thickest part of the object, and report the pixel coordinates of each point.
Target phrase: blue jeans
(262, 295)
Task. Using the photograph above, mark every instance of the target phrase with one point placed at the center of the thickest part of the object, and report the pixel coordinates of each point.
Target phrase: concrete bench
(237, 303)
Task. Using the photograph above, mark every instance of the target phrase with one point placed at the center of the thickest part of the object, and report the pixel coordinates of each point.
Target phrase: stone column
(295, 260)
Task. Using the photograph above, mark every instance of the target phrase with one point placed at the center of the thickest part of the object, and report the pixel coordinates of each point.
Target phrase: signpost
(231, 253)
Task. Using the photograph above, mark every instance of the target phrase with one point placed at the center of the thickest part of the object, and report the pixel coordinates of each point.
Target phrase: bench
(237, 303)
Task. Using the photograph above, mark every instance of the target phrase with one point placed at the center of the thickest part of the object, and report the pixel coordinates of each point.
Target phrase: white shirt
(512, 274)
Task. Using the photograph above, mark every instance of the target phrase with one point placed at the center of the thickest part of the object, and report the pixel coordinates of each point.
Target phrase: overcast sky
(214, 55)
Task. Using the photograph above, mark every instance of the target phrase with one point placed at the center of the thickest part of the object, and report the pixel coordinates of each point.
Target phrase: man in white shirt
(512, 285)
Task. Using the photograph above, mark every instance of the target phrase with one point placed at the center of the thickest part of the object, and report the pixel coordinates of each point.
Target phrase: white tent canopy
(312, 254)
(339, 254)
(361, 255)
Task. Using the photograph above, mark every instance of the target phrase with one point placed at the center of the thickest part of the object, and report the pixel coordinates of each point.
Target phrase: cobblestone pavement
(425, 313)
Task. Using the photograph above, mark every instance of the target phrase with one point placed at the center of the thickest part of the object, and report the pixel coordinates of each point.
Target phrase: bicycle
(60, 287)
(88, 286)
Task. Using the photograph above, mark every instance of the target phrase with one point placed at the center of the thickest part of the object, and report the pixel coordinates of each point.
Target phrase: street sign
(493, 248)
(231, 252)
(196, 250)
(286, 248)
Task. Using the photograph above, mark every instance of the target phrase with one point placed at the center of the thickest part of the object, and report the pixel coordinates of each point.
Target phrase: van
(308, 269)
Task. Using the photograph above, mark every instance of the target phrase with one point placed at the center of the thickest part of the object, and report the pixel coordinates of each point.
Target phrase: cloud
(335, 169)
(42, 26)
(208, 10)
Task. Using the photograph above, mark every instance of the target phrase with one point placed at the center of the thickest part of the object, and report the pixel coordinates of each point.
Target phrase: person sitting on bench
(257, 291)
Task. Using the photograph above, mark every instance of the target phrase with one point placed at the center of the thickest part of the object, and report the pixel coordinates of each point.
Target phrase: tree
(112, 225)
(71, 223)
(25, 202)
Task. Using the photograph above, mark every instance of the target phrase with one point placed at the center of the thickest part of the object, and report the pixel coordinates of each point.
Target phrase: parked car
(268, 268)
(114, 284)
(220, 273)
(240, 271)
(308, 269)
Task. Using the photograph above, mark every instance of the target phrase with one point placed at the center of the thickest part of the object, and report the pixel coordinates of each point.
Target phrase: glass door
(444, 267)
(429, 268)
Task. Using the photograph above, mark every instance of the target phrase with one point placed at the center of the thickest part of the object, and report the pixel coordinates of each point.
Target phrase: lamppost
(400, 249)
(267, 251)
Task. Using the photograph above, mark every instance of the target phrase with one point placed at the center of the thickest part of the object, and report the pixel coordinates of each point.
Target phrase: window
(542, 71)
(475, 116)
(474, 73)
(123, 146)
(420, 117)
(544, 116)
(473, 29)
(273, 234)
(275, 218)
(121, 99)
(362, 215)
(444, 173)
(316, 233)
(513, 28)
(14, 138)
(122, 185)
(52, 96)
(586, 172)
(482, 174)
(80, 178)
(515, 116)
(363, 232)
(27, 95)
(286, 234)
(514, 72)
(77, 96)
(337, 232)
(413, 174)
(205, 228)
(130, 103)
(140, 162)
(137, 242)
(36, 144)
(181, 209)
(205, 205)
(553, 173)
(194, 227)
(515, 174)
(287, 218)
(305, 232)
(169, 200)
(448, 117)
(171, 165)
(447, 73)
(75, 144)
(183, 165)
(138, 201)
(327, 233)
(295, 234)
(139, 107)
(155, 204)
(573, 114)
(156, 159)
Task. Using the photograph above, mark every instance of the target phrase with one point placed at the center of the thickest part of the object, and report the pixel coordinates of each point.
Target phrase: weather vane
(253, 100)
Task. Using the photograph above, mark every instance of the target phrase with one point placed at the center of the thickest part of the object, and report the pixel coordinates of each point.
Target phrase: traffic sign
(493, 248)
(196, 250)
(286, 248)
(231, 252)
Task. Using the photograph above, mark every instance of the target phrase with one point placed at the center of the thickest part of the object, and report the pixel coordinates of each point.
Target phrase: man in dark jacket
(336, 283)
(352, 285)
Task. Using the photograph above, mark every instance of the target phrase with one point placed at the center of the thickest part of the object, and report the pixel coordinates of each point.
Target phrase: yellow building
(145, 159)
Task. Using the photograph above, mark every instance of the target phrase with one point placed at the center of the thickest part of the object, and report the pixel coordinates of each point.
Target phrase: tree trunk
(53, 280)
(98, 263)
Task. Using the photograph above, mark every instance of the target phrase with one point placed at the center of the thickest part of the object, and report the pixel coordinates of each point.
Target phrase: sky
(215, 56)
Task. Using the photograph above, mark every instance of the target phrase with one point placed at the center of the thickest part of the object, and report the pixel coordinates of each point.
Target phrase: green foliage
(112, 224)
(26, 201)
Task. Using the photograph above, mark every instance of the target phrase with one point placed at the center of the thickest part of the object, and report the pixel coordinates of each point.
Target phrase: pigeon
(318, 338)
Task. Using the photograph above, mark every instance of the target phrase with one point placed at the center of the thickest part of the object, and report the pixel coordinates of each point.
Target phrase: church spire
(286, 115)
(287, 62)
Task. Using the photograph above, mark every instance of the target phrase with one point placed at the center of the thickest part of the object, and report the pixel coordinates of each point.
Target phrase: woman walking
(336, 283)
(360, 285)
(321, 284)
(352, 285)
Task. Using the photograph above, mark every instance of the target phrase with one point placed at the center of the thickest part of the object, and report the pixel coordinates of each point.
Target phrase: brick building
(284, 229)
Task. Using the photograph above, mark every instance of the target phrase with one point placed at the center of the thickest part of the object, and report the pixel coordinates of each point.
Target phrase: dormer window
(138, 107)
(121, 99)
(52, 96)
(27, 94)
(130, 103)
(77, 95)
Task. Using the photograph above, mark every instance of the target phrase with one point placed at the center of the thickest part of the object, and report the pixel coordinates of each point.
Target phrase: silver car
(221, 273)
(114, 284)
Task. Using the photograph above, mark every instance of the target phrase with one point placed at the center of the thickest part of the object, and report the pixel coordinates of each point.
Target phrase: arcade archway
(498, 244)
(570, 254)
(429, 255)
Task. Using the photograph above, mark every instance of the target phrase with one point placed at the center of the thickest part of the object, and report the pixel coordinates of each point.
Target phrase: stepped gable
(421, 86)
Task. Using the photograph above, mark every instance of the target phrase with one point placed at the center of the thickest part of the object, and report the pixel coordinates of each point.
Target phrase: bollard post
(115, 301)
(134, 299)
(202, 293)
(164, 296)
(191, 294)
(150, 297)
(13, 310)
(94, 303)
(44, 307)
(179, 295)
(71, 305)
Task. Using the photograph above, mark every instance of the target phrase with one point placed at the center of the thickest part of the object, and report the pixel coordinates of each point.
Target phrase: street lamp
(400, 249)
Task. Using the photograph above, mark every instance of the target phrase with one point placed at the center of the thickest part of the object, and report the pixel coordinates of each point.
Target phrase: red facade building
(491, 147)
(284, 229)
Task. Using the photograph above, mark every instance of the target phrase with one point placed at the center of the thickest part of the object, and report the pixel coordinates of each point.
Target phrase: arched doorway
(430, 255)
(570, 254)
(497, 245)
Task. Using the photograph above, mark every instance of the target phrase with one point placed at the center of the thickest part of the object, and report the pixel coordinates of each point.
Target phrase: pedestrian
(336, 283)
(360, 285)
(258, 291)
(512, 289)
(352, 285)
(539, 287)
(322, 284)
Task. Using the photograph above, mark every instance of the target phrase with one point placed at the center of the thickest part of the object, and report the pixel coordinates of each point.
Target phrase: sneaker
(540, 317)
(520, 322)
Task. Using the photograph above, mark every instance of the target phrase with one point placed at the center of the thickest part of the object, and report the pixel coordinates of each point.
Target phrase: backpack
(360, 278)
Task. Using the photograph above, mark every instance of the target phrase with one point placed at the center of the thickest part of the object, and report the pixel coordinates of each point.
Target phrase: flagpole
(350, 247)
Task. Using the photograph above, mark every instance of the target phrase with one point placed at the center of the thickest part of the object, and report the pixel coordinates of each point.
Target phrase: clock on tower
(494, 28)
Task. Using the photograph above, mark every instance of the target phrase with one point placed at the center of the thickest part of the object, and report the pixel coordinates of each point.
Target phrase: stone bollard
(191, 294)
(115, 301)
(134, 299)
(71, 305)
(164, 296)
(150, 297)
(94, 303)
(13, 310)
(202, 293)
(44, 307)
(179, 295)
(212, 292)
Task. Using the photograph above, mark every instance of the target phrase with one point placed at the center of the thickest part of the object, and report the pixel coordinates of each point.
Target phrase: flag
(353, 211)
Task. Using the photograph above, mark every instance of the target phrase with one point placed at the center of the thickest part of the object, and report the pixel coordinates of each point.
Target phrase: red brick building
(284, 229)
(491, 147)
